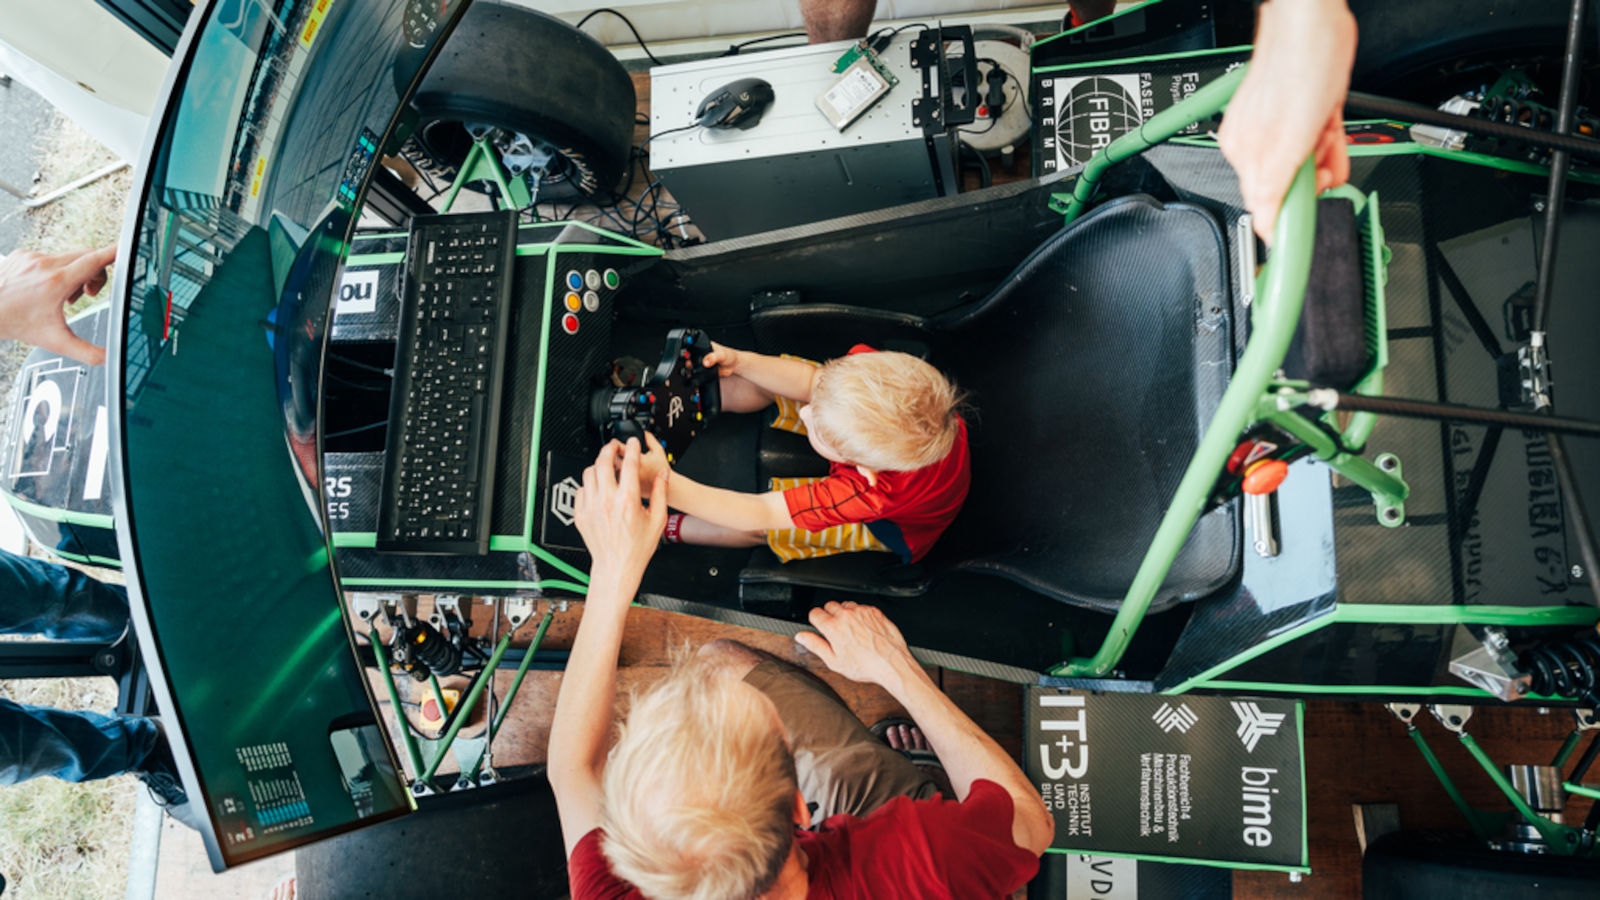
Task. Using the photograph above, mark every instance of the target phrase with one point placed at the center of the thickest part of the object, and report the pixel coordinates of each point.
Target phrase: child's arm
(784, 377)
(730, 509)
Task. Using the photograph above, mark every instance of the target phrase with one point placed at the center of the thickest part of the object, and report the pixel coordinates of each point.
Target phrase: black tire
(527, 72)
(503, 841)
(1412, 865)
(1429, 50)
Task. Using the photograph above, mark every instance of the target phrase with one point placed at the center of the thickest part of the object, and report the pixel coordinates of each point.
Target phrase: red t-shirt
(907, 511)
(923, 849)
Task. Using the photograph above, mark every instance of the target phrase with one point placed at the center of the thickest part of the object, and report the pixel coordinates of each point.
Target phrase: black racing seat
(1093, 370)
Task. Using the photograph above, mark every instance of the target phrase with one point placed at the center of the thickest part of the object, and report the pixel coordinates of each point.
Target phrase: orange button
(574, 302)
(1264, 476)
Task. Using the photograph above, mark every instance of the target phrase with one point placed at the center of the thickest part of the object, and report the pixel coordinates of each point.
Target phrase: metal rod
(1449, 412)
(496, 721)
(1547, 829)
(1365, 105)
(58, 193)
(1567, 746)
(1467, 812)
(1580, 514)
(465, 710)
(1559, 160)
(438, 694)
(1586, 760)
(412, 753)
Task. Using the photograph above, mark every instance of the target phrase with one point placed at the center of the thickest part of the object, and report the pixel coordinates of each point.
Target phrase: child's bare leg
(740, 395)
(699, 531)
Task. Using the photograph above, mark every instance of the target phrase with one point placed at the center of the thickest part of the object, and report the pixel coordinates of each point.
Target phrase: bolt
(1544, 710)
(713, 571)
(1577, 571)
(1294, 878)
(462, 784)
(1496, 640)
(1538, 206)
(419, 789)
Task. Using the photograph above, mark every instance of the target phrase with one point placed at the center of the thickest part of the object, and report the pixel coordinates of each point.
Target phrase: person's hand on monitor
(1291, 104)
(35, 288)
(620, 532)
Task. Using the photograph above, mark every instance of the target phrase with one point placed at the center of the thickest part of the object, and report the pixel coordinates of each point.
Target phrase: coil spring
(1569, 669)
(428, 651)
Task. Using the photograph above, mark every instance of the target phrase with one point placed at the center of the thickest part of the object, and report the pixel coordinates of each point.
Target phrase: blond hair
(888, 411)
(697, 799)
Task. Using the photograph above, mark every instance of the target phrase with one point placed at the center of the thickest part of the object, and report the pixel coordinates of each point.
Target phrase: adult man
(714, 769)
(59, 603)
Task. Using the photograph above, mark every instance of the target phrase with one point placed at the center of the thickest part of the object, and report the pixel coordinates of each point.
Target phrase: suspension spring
(1568, 669)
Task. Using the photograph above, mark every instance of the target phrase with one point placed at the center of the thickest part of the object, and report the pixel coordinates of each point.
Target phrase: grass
(60, 840)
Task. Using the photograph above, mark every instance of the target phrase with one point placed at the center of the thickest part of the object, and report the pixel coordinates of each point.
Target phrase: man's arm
(621, 535)
(790, 378)
(730, 509)
(33, 289)
(861, 643)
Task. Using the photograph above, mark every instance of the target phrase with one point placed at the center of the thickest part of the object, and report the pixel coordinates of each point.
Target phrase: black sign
(1177, 778)
(1081, 109)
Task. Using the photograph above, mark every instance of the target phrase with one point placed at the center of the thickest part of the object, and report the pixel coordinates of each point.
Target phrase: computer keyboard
(444, 413)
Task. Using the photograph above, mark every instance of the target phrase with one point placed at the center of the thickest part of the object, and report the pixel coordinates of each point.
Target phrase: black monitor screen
(275, 114)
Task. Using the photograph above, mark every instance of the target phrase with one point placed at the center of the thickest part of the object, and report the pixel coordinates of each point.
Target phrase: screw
(1538, 206)
(713, 572)
(1544, 710)
(1294, 877)
(1577, 571)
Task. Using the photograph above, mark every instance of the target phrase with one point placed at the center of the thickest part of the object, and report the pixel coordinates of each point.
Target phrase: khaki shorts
(842, 768)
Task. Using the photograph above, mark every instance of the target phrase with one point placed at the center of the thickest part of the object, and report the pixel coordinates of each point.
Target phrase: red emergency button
(569, 323)
(1264, 475)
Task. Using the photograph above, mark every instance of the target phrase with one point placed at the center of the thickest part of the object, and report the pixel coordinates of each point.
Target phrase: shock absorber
(423, 650)
(1568, 668)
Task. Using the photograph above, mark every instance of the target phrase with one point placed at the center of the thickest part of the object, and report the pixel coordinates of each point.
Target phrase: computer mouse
(737, 104)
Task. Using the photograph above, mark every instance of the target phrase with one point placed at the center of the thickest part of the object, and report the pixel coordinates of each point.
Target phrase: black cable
(878, 43)
(348, 431)
(625, 21)
(660, 133)
(733, 49)
(987, 179)
(1371, 105)
(361, 365)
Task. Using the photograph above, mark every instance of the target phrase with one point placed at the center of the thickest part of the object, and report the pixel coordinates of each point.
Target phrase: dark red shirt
(907, 511)
(922, 849)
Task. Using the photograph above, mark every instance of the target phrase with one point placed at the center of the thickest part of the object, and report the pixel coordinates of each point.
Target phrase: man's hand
(726, 359)
(1290, 104)
(858, 642)
(619, 531)
(33, 289)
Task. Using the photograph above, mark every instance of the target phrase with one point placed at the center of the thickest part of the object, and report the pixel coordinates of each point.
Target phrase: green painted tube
(511, 692)
(1204, 102)
(382, 656)
(438, 694)
(1358, 469)
(467, 706)
(1553, 834)
(1282, 292)
(1470, 814)
(1565, 753)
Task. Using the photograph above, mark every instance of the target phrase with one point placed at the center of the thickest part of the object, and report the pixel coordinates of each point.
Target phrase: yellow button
(574, 302)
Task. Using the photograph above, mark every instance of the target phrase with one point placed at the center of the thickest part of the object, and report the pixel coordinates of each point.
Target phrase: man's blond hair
(698, 796)
(888, 411)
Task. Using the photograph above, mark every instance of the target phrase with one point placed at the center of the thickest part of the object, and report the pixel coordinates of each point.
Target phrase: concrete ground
(24, 116)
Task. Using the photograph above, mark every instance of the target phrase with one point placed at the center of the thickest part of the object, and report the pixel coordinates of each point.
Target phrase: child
(887, 421)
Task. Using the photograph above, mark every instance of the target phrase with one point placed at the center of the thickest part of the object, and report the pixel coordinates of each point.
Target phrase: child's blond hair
(697, 800)
(888, 411)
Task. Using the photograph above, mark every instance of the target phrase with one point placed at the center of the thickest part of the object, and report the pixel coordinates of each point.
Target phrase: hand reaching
(619, 531)
(858, 642)
(1290, 104)
(35, 286)
(726, 359)
(654, 464)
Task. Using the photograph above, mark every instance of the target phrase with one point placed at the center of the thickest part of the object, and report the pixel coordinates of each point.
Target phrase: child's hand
(726, 359)
(619, 530)
(653, 463)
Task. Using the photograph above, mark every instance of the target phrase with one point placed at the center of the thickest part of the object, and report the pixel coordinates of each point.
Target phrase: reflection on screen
(277, 113)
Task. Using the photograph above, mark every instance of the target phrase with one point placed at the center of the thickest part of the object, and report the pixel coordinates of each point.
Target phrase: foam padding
(1329, 348)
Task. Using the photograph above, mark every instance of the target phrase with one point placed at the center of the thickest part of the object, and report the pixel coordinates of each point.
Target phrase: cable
(349, 431)
(983, 164)
(625, 21)
(733, 49)
(878, 43)
(660, 133)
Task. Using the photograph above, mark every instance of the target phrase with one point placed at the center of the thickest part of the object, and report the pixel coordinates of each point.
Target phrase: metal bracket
(1258, 511)
(935, 110)
(519, 610)
(1584, 719)
(1391, 513)
(1405, 712)
(1533, 371)
(366, 605)
(1491, 666)
(1453, 716)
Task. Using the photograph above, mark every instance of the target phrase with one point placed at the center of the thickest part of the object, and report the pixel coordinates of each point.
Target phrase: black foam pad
(1329, 348)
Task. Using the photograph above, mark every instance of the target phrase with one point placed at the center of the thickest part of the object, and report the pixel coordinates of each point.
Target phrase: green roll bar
(1250, 396)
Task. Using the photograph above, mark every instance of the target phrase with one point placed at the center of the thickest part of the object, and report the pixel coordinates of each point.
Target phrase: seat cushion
(1093, 371)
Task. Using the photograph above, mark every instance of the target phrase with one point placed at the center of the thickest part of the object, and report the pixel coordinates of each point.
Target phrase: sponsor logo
(564, 499)
(1256, 802)
(1255, 724)
(358, 293)
(1180, 720)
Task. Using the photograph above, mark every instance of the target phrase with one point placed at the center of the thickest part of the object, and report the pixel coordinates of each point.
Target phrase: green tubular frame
(479, 165)
(1562, 840)
(1280, 294)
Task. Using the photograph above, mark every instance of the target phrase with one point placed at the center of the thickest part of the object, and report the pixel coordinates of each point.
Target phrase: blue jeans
(65, 605)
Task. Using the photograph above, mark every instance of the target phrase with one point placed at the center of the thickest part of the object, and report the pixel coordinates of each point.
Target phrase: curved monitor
(275, 114)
